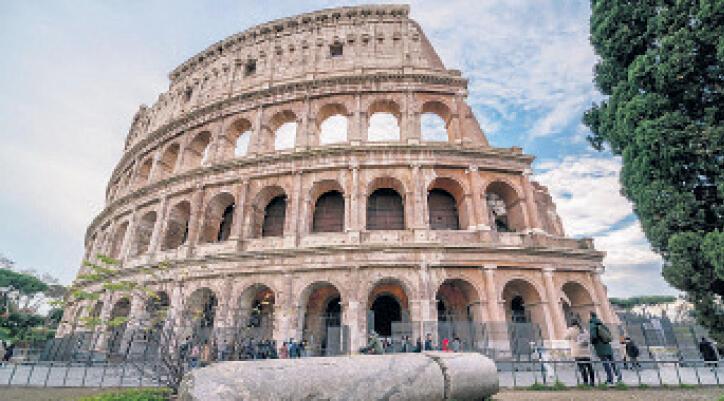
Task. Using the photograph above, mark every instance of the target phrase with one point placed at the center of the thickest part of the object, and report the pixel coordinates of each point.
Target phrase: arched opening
(144, 231)
(384, 121)
(332, 124)
(197, 152)
(525, 315)
(274, 217)
(504, 207)
(218, 218)
(157, 308)
(143, 174)
(577, 302)
(167, 163)
(255, 315)
(199, 314)
(117, 326)
(385, 210)
(329, 213)
(322, 319)
(459, 314)
(237, 138)
(388, 311)
(443, 210)
(177, 231)
(118, 239)
(434, 122)
(284, 126)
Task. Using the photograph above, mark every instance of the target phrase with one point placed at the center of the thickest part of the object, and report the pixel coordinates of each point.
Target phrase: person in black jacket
(632, 353)
(708, 353)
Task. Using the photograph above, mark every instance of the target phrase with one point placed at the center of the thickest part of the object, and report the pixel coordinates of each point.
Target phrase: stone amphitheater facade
(325, 170)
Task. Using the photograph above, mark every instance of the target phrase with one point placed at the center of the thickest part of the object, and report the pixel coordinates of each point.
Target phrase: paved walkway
(696, 394)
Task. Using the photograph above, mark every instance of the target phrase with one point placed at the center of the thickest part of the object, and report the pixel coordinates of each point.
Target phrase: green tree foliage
(662, 68)
(642, 300)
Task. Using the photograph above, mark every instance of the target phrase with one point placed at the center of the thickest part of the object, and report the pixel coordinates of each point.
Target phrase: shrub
(146, 394)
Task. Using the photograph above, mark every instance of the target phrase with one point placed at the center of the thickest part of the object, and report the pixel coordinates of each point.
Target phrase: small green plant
(602, 386)
(557, 386)
(686, 386)
(537, 387)
(643, 386)
(621, 386)
(146, 394)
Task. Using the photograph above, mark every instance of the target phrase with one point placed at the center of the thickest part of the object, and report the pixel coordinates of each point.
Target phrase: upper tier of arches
(343, 120)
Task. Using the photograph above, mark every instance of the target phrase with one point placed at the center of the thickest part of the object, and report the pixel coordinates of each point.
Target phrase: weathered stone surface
(399, 377)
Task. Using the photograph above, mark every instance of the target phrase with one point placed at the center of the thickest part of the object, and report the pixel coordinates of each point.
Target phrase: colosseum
(321, 176)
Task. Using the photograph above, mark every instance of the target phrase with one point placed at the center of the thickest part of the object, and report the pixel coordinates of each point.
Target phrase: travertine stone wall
(184, 193)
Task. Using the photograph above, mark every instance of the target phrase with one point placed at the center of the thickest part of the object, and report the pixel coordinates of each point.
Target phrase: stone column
(554, 304)
(195, 220)
(533, 220)
(355, 127)
(418, 205)
(256, 142)
(606, 314)
(153, 175)
(292, 220)
(128, 239)
(478, 219)
(237, 226)
(159, 227)
(495, 304)
(304, 131)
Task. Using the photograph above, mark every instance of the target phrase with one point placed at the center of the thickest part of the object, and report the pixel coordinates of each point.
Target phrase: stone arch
(383, 121)
(435, 122)
(333, 123)
(157, 309)
(118, 240)
(524, 311)
(385, 204)
(328, 211)
(387, 304)
(237, 139)
(117, 325)
(197, 152)
(459, 300)
(144, 232)
(199, 314)
(260, 211)
(177, 225)
(143, 175)
(167, 162)
(284, 127)
(254, 312)
(218, 218)
(577, 302)
(320, 317)
(505, 207)
(446, 204)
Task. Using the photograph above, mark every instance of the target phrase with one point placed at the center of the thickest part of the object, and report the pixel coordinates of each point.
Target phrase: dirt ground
(696, 394)
(703, 394)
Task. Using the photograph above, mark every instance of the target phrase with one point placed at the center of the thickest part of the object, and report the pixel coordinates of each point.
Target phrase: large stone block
(399, 377)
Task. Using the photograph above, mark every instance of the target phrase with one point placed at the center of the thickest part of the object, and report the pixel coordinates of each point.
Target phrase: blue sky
(73, 73)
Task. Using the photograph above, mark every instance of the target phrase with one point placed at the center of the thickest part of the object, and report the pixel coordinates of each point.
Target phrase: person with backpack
(601, 341)
(709, 353)
(581, 351)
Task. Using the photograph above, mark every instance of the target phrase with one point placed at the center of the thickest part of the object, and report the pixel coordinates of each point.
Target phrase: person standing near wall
(579, 340)
(601, 340)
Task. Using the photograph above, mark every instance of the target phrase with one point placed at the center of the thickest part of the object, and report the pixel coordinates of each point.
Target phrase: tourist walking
(601, 341)
(194, 357)
(428, 342)
(456, 344)
(579, 340)
(418, 345)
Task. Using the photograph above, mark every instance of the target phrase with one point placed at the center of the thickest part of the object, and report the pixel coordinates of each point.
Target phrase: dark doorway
(386, 310)
(274, 215)
(333, 312)
(225, 226)
(385, 210)
(329, 213)
(443, 210)
(517, 310)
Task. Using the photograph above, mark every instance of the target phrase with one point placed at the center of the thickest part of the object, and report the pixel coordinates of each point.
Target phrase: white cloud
(433, 127)
(586, 191)
(285, 136)
(383, 127)
(333, 130)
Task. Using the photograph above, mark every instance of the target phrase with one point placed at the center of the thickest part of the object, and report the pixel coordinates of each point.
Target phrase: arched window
(144, 172)
(504, 208)
(144, 232)
(434, 122)
(332, 124)
(225, 225)
(237, 139)
(197, 152)
(385, 210)
(329, 213)
(167, 163)
(384, 121)
(274, 217)
(284, 126)
(242, 144)
(218, 218)
(443, 210)
(118, 239)
(178, 226)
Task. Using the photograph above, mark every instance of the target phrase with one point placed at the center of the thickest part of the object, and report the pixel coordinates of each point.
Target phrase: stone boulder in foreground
(430, 376)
